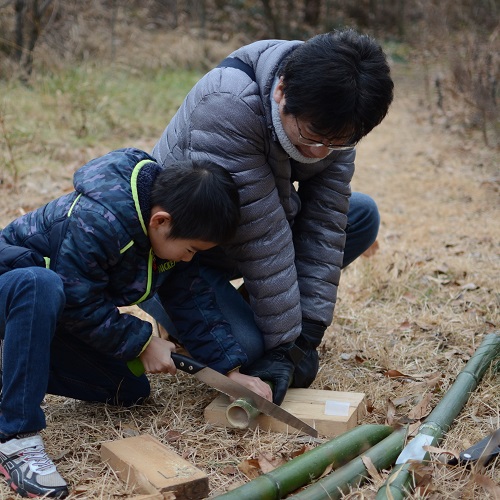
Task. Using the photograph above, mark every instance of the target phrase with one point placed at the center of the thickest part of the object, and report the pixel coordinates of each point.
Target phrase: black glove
(309, 339)
(275, 366)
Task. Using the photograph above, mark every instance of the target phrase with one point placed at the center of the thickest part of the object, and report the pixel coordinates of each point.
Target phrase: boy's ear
(159, 218)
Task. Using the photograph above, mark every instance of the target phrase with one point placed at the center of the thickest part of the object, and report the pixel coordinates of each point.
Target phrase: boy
(128, 230)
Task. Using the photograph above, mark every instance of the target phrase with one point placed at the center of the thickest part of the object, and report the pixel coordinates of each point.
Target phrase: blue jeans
(39, 358)
(363, 222)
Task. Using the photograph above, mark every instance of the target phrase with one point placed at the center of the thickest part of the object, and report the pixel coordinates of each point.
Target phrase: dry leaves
(262, 464)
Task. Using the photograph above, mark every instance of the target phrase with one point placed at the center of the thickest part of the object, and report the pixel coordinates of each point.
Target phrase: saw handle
(184, 363)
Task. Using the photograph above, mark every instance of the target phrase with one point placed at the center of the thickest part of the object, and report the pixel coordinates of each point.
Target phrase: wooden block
(310, 405)
(149, 466)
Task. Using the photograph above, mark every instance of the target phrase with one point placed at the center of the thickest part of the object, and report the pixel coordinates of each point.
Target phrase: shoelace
(38, 458)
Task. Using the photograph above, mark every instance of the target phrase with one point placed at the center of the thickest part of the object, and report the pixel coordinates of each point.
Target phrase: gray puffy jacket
(290, 243)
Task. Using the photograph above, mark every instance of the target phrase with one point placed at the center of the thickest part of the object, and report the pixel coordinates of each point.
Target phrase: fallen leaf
(327, 471)
(423, 476)
(439, 281)
(413, 428)
(442, 269)
(396, 374)
(250, 468)
(469, 286)
(61, 454)
(172, 435)
(88, 475)
(372, 250)
(391, 412)
(487, 484)
(442, 451)
(372, 470)
(422, 409)
(128, 431)
(369, 406)
(301, 451)
(267, 463)
(402, 400)
(433, 382)
(230, 470)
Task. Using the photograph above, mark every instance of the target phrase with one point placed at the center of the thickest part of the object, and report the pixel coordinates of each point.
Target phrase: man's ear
(278, 93)
(159, 218)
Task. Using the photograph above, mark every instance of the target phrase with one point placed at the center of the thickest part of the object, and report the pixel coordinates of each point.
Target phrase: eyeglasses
(315, 144)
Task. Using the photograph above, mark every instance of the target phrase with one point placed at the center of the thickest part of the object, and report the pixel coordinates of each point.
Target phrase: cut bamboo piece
(241, 414)
(330, 412)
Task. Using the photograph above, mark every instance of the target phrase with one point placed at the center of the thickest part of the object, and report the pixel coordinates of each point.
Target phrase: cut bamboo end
(241, 413)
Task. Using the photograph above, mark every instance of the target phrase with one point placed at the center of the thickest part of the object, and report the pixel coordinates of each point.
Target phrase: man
(278, 114)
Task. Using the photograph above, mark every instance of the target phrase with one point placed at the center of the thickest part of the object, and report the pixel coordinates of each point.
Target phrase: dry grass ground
(420, 305)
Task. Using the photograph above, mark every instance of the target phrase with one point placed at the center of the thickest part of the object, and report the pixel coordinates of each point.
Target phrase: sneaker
(28, 469)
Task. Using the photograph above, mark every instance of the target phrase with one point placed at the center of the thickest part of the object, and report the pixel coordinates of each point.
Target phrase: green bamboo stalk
(354, 473)
(400, 482)
(309, 466)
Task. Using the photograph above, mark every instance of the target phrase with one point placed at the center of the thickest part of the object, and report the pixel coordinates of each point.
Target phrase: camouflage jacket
(95, 239)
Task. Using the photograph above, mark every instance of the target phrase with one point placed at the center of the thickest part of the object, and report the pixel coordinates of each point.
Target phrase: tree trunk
(268, 11)
(20, 8)
(311, 15)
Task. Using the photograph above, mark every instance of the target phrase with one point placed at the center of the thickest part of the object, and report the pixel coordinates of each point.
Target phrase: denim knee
(363, 222)
(370, 218)
(49, 284)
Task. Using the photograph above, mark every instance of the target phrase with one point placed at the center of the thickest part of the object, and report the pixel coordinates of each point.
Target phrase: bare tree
(30, 16)
(272, 18)
(312, 12)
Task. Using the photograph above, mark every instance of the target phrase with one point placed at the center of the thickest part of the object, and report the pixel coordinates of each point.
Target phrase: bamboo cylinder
(241, 413)
(400, 482)
(354, 473)
(304, 468)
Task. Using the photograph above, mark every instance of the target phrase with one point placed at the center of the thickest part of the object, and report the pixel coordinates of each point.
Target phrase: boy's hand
(255, 384)
(156, 357)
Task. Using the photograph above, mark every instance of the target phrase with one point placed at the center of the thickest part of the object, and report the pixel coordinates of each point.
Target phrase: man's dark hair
(340, 82)
(202, 199)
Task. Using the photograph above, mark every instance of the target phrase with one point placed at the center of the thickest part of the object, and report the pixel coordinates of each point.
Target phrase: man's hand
(308, 341)
(276, 367)
(253, 383)
(156, 357)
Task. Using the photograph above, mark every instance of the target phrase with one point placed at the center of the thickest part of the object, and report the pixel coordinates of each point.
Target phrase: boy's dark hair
(340, 82)
(202, 199)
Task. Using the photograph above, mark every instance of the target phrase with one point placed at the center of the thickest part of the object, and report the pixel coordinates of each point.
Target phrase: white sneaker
(29, 470)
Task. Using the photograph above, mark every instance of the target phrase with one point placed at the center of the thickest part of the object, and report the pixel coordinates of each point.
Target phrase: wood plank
(309, 405)
(147, 465)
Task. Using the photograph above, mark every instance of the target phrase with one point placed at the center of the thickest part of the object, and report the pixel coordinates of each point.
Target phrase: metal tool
(482, 452)
(233, 389)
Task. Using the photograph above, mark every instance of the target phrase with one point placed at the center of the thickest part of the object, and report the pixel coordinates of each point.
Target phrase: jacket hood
(111, 181)
(266, 57)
